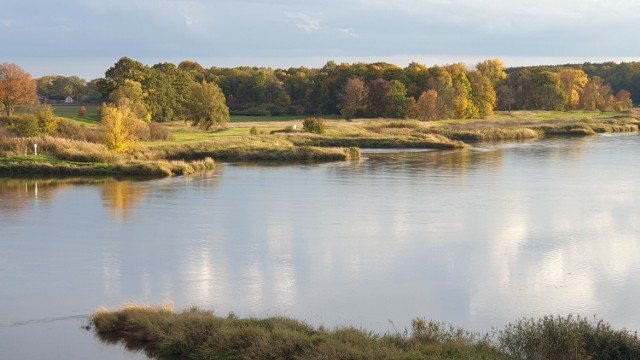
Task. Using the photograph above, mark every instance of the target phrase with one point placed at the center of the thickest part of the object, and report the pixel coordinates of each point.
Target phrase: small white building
(68, 100)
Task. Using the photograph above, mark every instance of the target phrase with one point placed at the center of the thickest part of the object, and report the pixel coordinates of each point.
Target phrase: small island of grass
(200, 334)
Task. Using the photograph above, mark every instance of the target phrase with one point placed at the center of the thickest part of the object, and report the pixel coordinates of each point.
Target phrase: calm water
(477, 238)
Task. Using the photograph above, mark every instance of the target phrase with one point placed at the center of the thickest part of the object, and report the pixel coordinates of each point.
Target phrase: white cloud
(304, 21)
(349, 31)
(6, 23)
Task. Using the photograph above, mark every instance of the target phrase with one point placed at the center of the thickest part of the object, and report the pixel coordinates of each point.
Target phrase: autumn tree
(483, 94)
(354, 98)
(622, 101)
(119, 123)
(16, 87)
(377, 101)
(493, 69)
(573, 83)
(426, 108)
(206, 106)
(596, 95)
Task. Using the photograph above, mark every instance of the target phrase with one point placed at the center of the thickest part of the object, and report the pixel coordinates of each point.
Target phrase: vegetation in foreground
(200, 334)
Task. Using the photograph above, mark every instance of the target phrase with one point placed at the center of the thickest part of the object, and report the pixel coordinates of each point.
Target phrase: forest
(369, 90)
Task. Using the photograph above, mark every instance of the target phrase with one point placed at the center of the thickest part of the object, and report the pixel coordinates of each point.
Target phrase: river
(478, 238)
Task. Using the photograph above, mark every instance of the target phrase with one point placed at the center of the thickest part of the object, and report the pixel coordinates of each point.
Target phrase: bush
(82, 111)
(573, 337)
(314, 125)
(26, 126)
(47, 121)
(159, 132)
(253, 131)
(72, 131)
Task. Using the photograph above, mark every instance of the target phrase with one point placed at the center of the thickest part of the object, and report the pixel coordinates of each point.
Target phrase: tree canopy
(16, 87)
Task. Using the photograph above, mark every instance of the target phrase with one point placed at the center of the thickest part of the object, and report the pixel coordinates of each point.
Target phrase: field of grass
(200, 334)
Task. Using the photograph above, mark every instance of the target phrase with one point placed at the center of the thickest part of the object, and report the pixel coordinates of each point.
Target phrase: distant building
(58, 99)
(55, 99)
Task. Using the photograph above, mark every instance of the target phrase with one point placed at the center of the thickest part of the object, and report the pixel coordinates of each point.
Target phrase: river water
(477, 237)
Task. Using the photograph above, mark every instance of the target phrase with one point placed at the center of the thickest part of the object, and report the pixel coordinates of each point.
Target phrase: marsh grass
(200, 334)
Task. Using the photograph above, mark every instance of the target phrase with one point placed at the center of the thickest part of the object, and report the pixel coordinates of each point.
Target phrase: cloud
(349, 32)
(6, 23)
(304, 21)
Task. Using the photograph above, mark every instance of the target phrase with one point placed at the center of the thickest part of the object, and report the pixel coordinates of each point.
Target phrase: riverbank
(197, 333)
(186, 147)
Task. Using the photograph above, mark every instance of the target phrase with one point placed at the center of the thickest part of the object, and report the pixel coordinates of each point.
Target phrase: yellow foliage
(118, 124)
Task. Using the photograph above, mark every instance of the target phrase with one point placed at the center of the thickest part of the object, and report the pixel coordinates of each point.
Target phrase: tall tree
(16, 87)
(426, 108)
(398, 105)
(493, 69)
(377, 103)
(573, 83)
(206, 106)
(483, 94)
(131, 92)
(354, 98)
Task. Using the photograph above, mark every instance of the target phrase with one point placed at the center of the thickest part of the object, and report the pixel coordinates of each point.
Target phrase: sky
(86, 37)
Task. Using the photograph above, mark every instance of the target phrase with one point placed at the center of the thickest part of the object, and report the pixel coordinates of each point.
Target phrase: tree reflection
(15, 194)
(122, 196)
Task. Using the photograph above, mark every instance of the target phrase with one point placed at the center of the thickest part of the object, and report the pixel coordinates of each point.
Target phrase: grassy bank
(21, 166)
(76, 149)
(199, 334)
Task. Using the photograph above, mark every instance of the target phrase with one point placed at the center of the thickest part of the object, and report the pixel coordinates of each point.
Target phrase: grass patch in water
(200, 334)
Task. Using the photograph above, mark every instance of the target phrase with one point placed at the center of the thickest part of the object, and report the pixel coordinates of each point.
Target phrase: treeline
(364, 90)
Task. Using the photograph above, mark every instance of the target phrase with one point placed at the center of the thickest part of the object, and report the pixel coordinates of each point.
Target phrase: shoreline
(342, 141)
(197, 333)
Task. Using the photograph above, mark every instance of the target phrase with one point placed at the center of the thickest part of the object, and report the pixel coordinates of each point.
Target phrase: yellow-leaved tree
(119, 123)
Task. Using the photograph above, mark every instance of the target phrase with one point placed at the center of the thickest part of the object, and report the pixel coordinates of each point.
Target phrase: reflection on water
(121, 196)
(478, 237)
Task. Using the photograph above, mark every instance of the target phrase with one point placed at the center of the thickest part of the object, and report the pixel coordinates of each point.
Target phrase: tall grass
(199, 334)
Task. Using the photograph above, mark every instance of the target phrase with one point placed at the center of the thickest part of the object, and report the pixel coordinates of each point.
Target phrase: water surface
(476, 237)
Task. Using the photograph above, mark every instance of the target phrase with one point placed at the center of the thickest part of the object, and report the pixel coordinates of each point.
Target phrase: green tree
(16, 87)
(206, 106)
(398, 105)
(131, 92)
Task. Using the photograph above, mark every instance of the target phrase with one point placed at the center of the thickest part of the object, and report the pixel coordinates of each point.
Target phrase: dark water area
(477, 237)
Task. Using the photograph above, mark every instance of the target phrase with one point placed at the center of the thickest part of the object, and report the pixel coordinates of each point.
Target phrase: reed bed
(201, 334)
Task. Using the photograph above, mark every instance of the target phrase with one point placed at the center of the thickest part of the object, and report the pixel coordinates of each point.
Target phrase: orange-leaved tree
(16, 87)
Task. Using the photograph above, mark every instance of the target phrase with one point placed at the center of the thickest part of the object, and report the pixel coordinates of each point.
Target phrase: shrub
(159, 132)
(73, 131)
(571, 337)
(314, 125)
(47, 121)
(82, 111)
(26, 126)
(253, 131)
